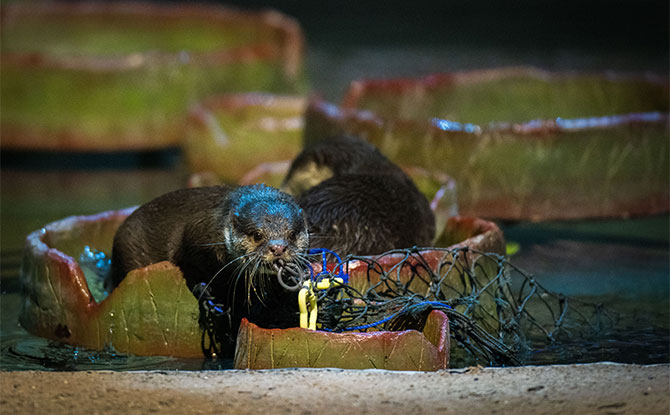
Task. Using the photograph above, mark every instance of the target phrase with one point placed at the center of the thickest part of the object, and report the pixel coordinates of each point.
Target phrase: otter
(356, 200)
(227, 241)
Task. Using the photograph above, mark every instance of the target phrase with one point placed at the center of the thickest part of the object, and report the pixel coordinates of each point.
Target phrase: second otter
(356, 200)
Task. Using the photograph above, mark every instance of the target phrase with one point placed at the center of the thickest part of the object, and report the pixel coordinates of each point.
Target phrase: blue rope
(324, 265)
(345, 277)
(436, 304)
(387, 318)
(215, 307)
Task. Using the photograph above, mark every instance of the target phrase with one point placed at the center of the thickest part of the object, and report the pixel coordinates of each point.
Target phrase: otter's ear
(235, 219)
(242, 223)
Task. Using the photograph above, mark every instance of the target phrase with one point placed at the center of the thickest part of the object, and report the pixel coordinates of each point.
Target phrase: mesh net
(498, 314)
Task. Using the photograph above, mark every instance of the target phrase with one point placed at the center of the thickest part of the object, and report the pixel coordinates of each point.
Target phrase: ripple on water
(33, 353)
(20, 350)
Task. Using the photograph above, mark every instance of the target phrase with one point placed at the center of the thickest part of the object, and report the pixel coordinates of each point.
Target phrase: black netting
(497, 312)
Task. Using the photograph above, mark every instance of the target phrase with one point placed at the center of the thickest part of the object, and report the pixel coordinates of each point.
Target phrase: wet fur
(208, 232)
(366, 205)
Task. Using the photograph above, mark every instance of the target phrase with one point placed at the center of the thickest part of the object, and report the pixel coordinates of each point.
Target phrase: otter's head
(267, 226)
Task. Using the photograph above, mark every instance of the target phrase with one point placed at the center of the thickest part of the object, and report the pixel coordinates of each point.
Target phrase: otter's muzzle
(277, 247)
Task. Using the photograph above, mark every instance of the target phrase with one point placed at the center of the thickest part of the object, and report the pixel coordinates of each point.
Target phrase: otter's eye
(257, 235)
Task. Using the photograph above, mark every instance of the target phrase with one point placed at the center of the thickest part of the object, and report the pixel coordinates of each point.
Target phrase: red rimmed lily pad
(425, 350)
(522, 144)
(229, 135)
(260, 348)
(120, 76)
(151, 312)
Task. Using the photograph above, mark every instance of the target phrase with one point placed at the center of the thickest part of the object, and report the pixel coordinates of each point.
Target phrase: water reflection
(31, 198)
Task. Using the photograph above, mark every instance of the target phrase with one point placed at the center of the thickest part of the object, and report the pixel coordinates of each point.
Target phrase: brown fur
(367, 206)
(224, 237)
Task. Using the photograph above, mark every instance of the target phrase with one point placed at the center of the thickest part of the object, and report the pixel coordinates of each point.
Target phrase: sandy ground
(585, 389)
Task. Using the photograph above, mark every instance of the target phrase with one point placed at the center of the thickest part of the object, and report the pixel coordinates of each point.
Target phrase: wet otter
(225, 239)
(356, 200)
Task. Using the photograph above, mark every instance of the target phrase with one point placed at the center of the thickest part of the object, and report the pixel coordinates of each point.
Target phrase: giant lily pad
(231, 134)
(522, 144)
(259, 348)
(112, 76)
(151, 312)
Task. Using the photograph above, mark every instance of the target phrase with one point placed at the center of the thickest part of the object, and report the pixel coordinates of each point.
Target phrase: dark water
(621, 264)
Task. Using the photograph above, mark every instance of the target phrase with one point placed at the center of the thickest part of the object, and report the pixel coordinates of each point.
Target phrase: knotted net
(498, 314)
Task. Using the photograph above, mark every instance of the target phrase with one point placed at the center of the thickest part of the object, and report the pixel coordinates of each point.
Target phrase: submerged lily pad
(522, 144)
(113, 76)
(151, 312)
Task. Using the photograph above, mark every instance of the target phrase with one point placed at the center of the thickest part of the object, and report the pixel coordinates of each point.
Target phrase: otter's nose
(277, 248)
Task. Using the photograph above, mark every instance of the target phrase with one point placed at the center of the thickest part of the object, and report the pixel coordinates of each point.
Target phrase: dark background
(601, 24)
(350, 39)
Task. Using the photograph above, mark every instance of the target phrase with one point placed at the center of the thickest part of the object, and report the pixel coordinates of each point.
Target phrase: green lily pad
(508, 95)
(522, 144)
(230, 135)
(152, 312)
(427, 350)
(102, 77)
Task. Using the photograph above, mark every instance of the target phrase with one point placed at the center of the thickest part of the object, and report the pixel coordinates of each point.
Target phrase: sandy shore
(585, 389)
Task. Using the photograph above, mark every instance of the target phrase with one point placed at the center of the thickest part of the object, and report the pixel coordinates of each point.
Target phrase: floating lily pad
(120, 76)
(151, 312)
(508, 95)
(259, 348)
(231, 134)
(522, 144)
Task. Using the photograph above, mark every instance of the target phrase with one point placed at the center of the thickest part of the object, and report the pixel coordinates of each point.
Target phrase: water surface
(623, 264)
